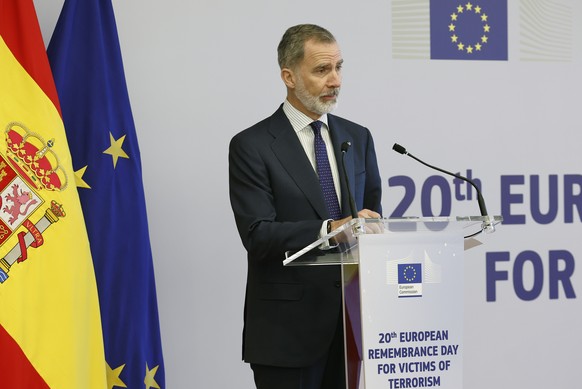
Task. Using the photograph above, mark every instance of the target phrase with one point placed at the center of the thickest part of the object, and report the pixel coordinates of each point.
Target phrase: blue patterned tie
(324, 173)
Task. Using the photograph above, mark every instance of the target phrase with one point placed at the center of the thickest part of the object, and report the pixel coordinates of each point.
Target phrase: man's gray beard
(313, 103)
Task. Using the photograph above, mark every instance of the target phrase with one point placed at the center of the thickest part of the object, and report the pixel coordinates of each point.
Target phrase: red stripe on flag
(17, 372)
(20, 30)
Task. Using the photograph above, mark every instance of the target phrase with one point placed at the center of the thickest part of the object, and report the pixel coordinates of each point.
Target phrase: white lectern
(402, 297)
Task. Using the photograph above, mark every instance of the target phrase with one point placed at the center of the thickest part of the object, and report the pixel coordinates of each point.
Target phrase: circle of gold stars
(406, 273)
(456, 40)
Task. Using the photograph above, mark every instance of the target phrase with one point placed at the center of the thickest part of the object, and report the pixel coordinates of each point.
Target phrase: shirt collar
(298, 119)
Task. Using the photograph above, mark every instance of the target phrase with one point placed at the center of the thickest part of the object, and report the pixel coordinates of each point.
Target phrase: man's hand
(368, 214)
(364, 213)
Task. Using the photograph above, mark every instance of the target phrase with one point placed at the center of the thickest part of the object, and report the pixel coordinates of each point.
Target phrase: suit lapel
(291, 154)
(338, 136)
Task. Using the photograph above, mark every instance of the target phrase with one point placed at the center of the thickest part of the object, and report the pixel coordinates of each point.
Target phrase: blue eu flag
(86, 61)
(410, 273)
(467, 30)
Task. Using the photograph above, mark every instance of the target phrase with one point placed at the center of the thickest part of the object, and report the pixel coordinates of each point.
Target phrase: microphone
(487, 225)
(344, 148)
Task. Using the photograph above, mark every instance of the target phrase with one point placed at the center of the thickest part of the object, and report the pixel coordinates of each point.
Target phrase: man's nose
(334, 79)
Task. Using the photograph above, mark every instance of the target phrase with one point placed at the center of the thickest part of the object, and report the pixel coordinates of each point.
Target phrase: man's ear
(288, 77)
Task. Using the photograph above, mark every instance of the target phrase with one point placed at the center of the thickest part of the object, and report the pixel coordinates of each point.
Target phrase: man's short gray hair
(291, 48)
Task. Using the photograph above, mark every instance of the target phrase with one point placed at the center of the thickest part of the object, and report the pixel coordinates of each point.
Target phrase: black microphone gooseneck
(482, 207)
(345, 147)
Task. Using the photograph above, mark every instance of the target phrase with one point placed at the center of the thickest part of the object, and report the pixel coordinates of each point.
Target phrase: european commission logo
(468, 31)
(450, 29)
(410, 280)
(478, 30)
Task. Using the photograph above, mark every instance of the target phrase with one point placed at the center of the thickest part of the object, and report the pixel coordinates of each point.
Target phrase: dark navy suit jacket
(291, 313)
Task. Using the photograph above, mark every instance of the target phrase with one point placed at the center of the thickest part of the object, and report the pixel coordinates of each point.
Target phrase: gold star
(487, 28)
(149, 379)
(460, 46)
(460, 9)
(115, 149)
(451, 27)
(477, 10)
(454, 38)
(469, 6)
(469, 49)
(454, 17)
(113, 377)
(478, 47)
(484, 17)
(79, 178)
(484, 39)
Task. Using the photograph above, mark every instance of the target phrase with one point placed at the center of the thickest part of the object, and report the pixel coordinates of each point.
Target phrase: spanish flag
(50, 324)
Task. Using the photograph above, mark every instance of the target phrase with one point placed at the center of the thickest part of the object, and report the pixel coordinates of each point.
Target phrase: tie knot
(316, 125)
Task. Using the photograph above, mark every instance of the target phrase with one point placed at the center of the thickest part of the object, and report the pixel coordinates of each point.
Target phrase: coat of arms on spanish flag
(50, 327)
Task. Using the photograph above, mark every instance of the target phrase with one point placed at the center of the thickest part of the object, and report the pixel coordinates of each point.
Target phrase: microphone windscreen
(345, 146)
(399, 148)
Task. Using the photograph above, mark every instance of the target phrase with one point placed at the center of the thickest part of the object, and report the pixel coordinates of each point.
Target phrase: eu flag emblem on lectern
(468, 31)
(410, 280)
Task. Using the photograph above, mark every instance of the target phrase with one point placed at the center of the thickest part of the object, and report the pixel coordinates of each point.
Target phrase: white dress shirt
(301, 123)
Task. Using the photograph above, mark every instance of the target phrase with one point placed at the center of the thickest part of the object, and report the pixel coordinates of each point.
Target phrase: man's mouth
(330, 95)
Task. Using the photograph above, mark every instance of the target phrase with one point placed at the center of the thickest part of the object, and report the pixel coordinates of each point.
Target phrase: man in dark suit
(293, 332)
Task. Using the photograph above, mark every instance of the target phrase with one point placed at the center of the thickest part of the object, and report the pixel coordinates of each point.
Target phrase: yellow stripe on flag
(48, 303)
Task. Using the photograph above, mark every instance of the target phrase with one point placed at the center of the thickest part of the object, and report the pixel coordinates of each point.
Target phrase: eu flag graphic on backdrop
(86, 61)
(468, 30)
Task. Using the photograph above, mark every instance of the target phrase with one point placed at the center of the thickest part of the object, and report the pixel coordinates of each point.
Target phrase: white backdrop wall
(199, 72)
